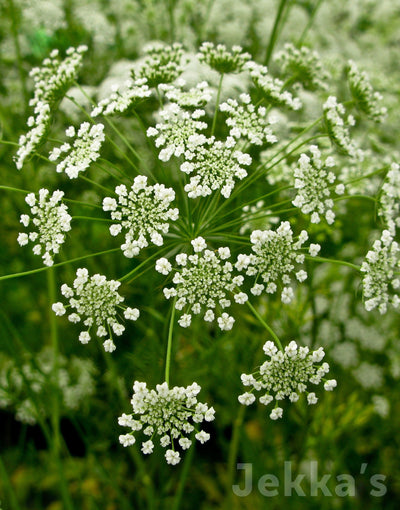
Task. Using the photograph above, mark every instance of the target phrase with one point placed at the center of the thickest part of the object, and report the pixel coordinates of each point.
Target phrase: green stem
(6, 483)
(233, 448)
(55, 411)
(46, 268)
(309, 23)
(345, 197)
(183, 477)
(274, 33)
(126, 278)
(96, 184)
(9, 188)
(333, 261)
(169, 343)
(217, 104)
(262, 321)
(90, 218)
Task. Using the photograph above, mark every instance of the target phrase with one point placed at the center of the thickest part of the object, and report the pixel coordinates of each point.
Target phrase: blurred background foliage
(357, 424)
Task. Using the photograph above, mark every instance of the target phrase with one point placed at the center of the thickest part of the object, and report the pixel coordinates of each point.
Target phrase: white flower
(286, 375)
(58, 308)
(131, 314)
(143, 214)
(84, 150)
(312, 399)
(109, 346)
(96, 302)
(172, 414)
(276, 413)
(214, 165)
(198, 244)
(379, 267)
(203, 283)
(304, 65)
(312, 182)
(163, 266)
(225, 322)
(329, 385)
(271, 88)
(52, 81)
(222, 60)
(84, 337)
(365, 98)
(246, 399)
(172, 457)
(247, 121)
(147, 447)
(274, 256)
(51, 220)
(127, 439)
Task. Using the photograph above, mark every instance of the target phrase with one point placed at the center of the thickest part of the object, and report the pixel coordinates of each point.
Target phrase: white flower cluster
(313, 181)
(75, 379)
(286, 375)
(51, 219)
(124, 98)
(338, 128)
(55, 77)
(203, 281)
(95, 300)
(142, 213)
(272, 88)
(179, 131)
(303, 66)
(85, 149)
(52, 81)
(161, 65)
(389, 201)
(196, 97)
(379, 266)
(275, 253)
(222, 60)
(215, 165)
(172, 414)
(363, 93)
(247, 121)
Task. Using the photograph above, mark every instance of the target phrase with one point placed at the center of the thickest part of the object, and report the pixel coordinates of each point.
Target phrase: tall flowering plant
(230, 200)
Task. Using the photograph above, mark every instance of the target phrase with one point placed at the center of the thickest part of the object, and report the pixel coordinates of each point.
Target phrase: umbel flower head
(272, 88)
(214, 164)
(95, 301)
(172, 414)
(56, 76)
(363, 93)
(162, 64)
(143, 214)
(247, 121)
(50, 220)
(124, 98)
(338, 128)
(389, 200)
(196, 97)
(379, 267)
(303, 66)
(313, 181)
(203, 283)
(178, 131)
(286, 374)
(274, 258)
(222, 60)
(85, 149)
(52, 81)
